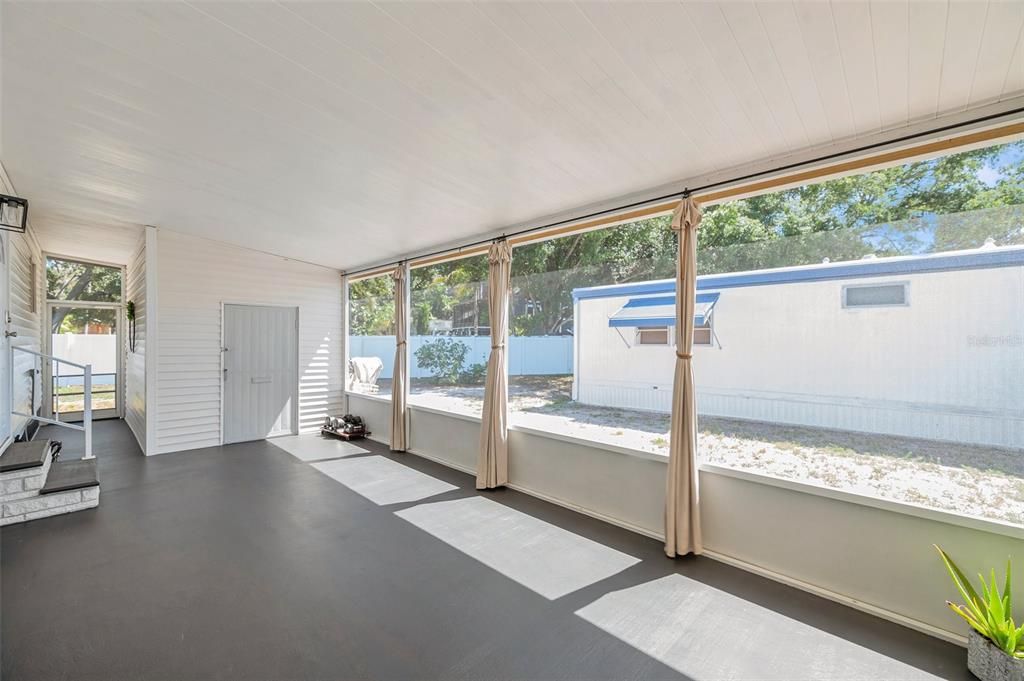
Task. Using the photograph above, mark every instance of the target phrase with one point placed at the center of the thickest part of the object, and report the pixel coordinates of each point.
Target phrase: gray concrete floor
(242, 562)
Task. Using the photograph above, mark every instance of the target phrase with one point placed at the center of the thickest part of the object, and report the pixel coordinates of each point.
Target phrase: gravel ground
(969, 480)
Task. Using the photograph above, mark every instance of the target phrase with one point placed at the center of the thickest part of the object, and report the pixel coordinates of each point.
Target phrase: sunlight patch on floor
(540, 556)
(707, 634)
(316, 447)
(383, 481)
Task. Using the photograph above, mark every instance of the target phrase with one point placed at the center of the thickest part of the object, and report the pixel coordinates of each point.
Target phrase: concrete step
(45, 505)
(23, 469)
(23, 455)
(70, 475)
(66, 486)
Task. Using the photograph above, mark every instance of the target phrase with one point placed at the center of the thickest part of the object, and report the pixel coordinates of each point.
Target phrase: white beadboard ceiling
(344, 133)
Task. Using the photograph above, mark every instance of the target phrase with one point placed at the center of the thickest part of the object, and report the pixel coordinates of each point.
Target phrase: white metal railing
(86, 426)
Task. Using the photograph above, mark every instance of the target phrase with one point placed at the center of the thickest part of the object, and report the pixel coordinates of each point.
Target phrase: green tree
(77, 281)
(928, 206)
(436, 289)
(372, 306)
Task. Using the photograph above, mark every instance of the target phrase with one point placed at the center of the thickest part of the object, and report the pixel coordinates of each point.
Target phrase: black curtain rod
(697, 190)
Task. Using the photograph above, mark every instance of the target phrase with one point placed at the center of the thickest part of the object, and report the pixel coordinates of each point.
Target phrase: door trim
(298, 352)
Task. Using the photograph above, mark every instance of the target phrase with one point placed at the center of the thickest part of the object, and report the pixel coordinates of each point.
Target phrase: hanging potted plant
(130, 314)
(995, 646)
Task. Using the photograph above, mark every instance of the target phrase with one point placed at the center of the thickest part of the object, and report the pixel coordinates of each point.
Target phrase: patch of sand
(970, 480)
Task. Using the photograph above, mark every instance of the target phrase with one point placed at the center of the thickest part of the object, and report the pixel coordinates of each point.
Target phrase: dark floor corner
(242, 562)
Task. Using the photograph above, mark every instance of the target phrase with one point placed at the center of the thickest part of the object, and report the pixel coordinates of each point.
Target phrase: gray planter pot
(989, 663)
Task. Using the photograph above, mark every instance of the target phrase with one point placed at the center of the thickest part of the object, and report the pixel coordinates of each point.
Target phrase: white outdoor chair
(365, 373)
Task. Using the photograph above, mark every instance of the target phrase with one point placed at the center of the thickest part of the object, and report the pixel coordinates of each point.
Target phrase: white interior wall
(26, 315)
(873, 557)
(135, 359)
(194, 278)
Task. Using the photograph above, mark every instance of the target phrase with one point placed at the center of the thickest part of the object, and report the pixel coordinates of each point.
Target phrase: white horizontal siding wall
(947, 366)
(25, 260)
(194, 277)
(135, 360)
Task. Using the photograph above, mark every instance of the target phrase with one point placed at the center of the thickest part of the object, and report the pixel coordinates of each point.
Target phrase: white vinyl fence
(527, 355)
(99, 350)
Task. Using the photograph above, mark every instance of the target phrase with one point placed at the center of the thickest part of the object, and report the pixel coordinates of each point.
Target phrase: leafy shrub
(475, 374)
(445, 358)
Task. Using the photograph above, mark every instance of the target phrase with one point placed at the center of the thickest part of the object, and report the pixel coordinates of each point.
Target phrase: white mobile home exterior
(799, 345)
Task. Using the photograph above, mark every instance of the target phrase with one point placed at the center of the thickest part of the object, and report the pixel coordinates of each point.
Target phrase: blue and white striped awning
(660, 311)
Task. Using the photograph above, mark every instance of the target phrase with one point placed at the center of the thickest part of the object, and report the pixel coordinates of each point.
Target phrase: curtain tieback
(400, 343)
(684, 355)
(498, 347)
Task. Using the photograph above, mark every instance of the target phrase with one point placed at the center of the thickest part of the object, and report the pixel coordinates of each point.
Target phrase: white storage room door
(260, 371)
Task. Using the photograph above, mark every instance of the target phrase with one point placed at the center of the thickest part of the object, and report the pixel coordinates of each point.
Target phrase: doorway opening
(85, 312)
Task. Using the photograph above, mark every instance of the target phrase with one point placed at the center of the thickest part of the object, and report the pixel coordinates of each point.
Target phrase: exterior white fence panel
(99, 350)
(527, 356)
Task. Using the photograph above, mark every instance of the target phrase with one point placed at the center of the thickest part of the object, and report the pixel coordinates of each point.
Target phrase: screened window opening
(81, 281)
(371, 341)
(451, 335)
(789, 382)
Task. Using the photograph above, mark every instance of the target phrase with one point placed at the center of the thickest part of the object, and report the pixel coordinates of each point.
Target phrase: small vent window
(881, 295)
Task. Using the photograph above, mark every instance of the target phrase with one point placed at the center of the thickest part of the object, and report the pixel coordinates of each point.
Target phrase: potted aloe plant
(995, 647)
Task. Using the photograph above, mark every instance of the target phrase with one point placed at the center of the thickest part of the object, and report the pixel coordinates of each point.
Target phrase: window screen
(82, 281)
(873, 296)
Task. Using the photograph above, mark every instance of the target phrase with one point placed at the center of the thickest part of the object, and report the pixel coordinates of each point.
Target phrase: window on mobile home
(450, 340)
(703, 334)
(652, 336)
(875, 295)
(371, 335)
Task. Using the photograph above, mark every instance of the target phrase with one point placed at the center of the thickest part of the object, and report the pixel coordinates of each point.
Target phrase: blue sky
(1012, 154)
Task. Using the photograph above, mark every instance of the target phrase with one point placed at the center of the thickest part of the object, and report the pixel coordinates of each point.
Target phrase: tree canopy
(78, 281)
(936, 205)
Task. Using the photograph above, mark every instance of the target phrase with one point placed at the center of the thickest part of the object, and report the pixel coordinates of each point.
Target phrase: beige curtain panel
(492, 466)
(682, 508)
(400, 376)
